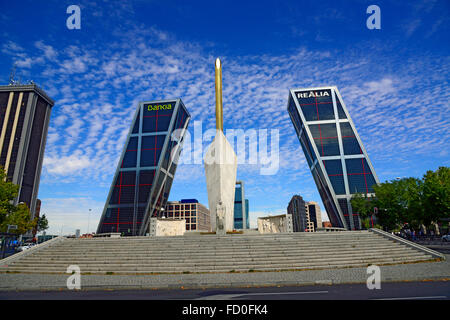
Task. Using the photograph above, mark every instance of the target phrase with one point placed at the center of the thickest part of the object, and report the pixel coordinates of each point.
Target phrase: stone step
(239, 255)
(211, 253)
(209, 240)
(219, 268)
(213, 241)
(215, 246)
(217, 253)
(268, 260)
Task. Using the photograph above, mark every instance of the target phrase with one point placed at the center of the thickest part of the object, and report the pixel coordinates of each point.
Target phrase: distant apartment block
(313, 211)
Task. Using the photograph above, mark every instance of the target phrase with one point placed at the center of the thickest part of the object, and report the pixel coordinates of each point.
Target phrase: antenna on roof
(12, 80)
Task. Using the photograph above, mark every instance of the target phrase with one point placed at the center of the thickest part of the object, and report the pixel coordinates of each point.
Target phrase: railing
(408, 243)
(14, 257)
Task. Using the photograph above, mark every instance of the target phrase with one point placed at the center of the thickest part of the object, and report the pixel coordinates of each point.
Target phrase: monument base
(220, 171)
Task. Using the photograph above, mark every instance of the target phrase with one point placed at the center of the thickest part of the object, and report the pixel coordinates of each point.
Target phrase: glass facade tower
(146, 168)
(241, 218)
(24, 119)
(333, 149)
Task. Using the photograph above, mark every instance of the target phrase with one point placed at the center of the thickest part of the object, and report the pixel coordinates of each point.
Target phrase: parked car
(446, 237)
(25, 246)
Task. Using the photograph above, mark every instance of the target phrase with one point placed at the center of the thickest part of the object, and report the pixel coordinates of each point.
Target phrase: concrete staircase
(211, 253)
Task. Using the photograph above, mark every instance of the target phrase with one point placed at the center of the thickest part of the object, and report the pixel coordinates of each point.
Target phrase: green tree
(9, 214)
(42, 223)
(398, 202)
(436, 195)
(364, 206)
(387, 203)
(8, 192)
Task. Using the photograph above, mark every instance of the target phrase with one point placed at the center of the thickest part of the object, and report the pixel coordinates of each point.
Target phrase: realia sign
(312, 94)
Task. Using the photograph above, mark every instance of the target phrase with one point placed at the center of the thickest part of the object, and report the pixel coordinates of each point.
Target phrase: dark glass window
(110, 221)
(124, 188)
(157, 116)
(130, 156)
(136, 124)
(18, 135)
(118, 220)
(307, 150)
(344, 208)
(343, 205)
(349, 141)
(4, 97)
(360, 178)
(158, 186)
(151, 149)
(326, 197)
(34, 149)
(316, 105)
(180, 122)
(140, 215)
(325, 137)
(335, 174)
(340, 110)
(294, 113)
(181, 118)
(12, 114)
(145, 184)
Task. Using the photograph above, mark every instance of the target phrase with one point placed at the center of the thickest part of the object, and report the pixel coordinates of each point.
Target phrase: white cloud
(66, 165)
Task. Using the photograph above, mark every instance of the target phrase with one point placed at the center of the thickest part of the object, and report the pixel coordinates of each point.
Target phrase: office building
(300, 217)
(24, 118)
(313, 211)
(197, 216)
(333, 149)
(144, 175)
(241, 209)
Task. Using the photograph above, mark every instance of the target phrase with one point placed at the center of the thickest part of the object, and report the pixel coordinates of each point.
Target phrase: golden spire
(219, 106)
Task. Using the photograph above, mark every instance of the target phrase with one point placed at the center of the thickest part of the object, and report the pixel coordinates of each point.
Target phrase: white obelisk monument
(220, 169)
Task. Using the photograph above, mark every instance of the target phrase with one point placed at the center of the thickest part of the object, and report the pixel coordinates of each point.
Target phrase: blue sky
(394, 82)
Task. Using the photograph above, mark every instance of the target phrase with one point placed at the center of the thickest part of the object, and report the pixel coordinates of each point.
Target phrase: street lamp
(89, 218)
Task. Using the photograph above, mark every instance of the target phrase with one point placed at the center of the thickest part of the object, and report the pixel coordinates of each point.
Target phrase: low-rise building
(197, 216)
(275, 224)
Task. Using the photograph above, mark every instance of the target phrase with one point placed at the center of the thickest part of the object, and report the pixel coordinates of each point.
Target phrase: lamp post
(89, 218)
